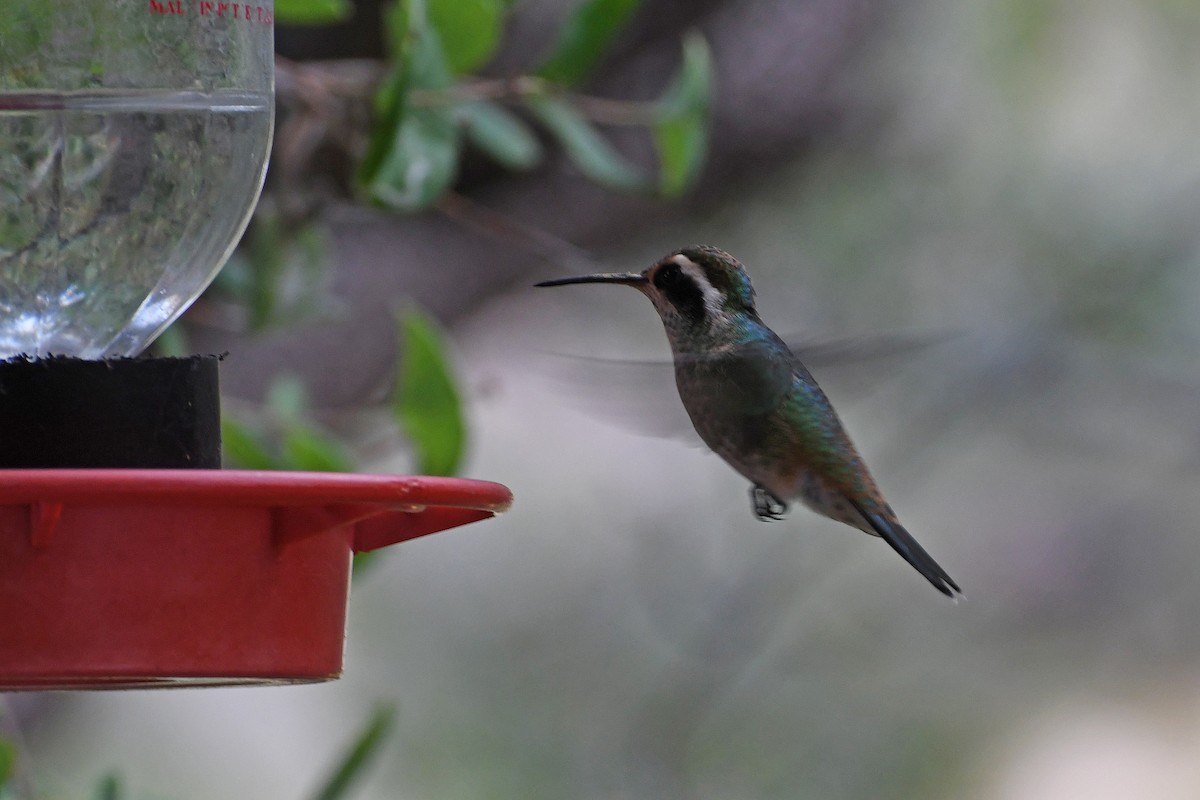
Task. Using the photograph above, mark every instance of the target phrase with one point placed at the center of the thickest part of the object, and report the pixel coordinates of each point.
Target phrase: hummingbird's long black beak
(624, 278)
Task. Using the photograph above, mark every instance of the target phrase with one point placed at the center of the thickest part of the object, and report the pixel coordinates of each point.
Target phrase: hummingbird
(756, 405)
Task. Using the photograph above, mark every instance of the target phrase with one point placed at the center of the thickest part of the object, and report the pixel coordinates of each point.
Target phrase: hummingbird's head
(699, 291)
(699, 287)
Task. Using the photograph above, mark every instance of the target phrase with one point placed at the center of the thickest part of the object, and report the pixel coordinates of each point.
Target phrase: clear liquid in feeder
(133, 144)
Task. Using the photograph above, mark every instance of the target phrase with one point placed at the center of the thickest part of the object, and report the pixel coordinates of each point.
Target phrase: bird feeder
(134, 138)
(160, 577)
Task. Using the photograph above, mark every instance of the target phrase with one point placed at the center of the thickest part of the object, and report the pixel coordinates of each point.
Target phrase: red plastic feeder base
(140, 578)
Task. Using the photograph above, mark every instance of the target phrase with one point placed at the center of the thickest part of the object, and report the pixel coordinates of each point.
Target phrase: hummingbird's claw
(767, 506)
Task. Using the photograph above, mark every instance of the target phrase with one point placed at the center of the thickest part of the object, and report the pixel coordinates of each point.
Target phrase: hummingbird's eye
(681, 290)
(667, 276)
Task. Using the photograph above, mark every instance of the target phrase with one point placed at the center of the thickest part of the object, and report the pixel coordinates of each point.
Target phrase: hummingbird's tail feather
(911, 551)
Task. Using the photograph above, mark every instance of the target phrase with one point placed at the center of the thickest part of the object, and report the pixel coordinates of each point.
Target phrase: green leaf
(423, 54)
(469, 30)
(243, 448)
(397, 22)
(172, 342)
(8, 761)
(302, 444)
(310, 450)
(356, 759)
(362, 563)
(110, 787)
(587, 149)
(681, 125)
(501, 134)
(584, 38)
(278, 275)
(391, 101)
(264, 250)
(312, 12)
(422, 162)
(412, 157)
(427, 403)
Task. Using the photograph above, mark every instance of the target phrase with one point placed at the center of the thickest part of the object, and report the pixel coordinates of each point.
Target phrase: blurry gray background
(1022, 176)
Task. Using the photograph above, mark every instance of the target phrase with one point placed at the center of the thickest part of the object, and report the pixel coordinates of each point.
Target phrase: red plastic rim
(247, 486)
(136, 578)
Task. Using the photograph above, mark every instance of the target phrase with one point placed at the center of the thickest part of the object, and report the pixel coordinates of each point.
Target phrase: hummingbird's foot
(767, 506)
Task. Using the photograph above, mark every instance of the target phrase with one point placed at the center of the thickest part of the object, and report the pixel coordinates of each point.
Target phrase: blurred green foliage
(498, 132)
(285, 436)
(349, 768)
(358, 756)
(8, 763)
(680, 128)
(427, 406)
(413, 152)
(429, 104)
(110, 788)
(277, 273)
(312, 12)
(470, 30)
(583, 144)
(427, 403)
(584, 38)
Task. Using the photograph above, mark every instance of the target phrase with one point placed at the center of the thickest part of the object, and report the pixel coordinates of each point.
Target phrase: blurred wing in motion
(640, 395)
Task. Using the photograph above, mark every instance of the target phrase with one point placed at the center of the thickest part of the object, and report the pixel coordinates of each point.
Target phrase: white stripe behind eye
(712, 297)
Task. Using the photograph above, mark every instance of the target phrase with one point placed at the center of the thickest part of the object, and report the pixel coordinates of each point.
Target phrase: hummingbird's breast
(737, 414)
(770, 421)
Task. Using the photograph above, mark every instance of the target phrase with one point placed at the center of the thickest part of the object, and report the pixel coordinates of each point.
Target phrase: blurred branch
(497, 225)
(604, 110)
